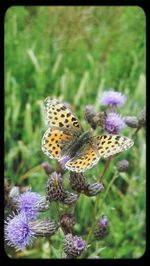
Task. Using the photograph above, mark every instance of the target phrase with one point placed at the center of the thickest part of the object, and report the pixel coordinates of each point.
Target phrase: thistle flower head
(113, 98)
(131, 121)
(67, 222)
(142, 117)
(77, 181)
(18, 233)
(6, 191)
(44, 228)
(122, 165)
(90, 113)
(103, 222)
(13, 197)
(113, 123)
(29, 203)
(55, 190)
(47, 167)
(102, 229)
(93, 189)
(79, 244)
(73, 246)
(70, 198)
(14, 193)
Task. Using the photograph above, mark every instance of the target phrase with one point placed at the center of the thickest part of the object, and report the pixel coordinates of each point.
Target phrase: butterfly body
(77, 145)
(65, 138)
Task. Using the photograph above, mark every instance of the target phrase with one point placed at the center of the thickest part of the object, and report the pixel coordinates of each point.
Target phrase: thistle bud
(131, 121)
(122, 166)
(67, 222)
(55, 190)
(100, 118)
(93, 189)
(77, 181)
(13, 197)
(73, 246)
(6, 191)
(47, 167)
(70, 198)
(142, 117)
(90, 113)
(101, 230)
(42, 204)
(43, 228)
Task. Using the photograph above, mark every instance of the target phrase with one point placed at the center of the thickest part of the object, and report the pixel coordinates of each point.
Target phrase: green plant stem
(135, 132)
(58, 210)
(97, 199)
(105, 169)
(31, 171)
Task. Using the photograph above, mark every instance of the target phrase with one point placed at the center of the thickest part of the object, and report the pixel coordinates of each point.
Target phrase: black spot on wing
(61, 124)
(68, 114)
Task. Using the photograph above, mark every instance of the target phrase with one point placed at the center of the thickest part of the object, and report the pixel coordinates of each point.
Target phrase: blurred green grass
(75, 53)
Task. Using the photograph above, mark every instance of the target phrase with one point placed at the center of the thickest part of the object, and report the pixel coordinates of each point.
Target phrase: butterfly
(66, 141)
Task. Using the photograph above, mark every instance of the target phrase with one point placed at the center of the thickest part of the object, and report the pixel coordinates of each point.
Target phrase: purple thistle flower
(79, 244)
(63, 161)
(18, 233)
(113, 123)
(103, 221)
(73, 246)
(113, 98)
(30, 203)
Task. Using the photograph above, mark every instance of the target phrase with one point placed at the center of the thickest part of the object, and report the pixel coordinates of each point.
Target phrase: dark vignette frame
(5, 4)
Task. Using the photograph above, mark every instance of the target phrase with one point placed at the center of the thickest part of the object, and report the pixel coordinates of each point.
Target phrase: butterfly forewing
(108, 145)
(59, 116)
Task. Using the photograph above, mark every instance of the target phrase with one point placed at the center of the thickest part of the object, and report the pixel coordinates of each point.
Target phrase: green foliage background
(75, 53)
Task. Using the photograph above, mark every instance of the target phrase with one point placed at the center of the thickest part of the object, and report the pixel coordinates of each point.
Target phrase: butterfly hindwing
(108, 145)
(84, 160)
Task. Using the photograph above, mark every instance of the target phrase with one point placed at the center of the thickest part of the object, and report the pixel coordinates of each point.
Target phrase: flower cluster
(78, 183)
(24, 225)
(110, 120)
(21, 227)
(55, 190)
(113, 122)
